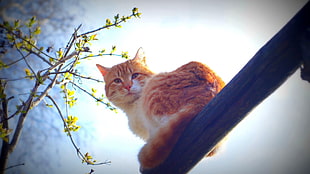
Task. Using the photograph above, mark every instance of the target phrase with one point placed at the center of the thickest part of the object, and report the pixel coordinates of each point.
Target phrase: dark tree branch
(4, 120)
(262, 75)
(21, 120)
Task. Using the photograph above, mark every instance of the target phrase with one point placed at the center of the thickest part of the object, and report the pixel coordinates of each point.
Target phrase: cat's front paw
(147, 158)
(151, 156)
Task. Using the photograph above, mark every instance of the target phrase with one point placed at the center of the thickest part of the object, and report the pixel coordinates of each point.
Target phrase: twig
(42, 58)
(104, 27)
(101, 28)
(28, 65)
(64, 122)
(9, 64)
(18, 110)
(98, 55)
(80, 154)
(71, 41)
(91, 171)
(10, 80)
(22, 164)
(97, 99)
(88, 78)
(78, 75)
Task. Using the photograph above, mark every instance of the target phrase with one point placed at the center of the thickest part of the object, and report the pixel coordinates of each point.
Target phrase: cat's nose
(127, 87)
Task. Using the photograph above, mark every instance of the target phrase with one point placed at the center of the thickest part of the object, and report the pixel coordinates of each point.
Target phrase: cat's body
(159, 106)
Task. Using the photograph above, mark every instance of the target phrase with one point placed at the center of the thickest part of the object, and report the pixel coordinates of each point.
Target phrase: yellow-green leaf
(62, 86)
(135, 10)
(93, 37)
(68, 76)
(10, 37)
(3, 65)
(6, 24)
(59, 53)
(28, 73)
(31, 21)
(16, 23)
(18, 45)
(93, 90)
(108, 22)
(48, 105)
(70, 93)
(37, 30)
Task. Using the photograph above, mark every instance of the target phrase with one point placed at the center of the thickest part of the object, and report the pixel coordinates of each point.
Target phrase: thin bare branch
(12, 63)
(95, 30)
(20, 78)
(41, 57)
(28, 65)
(72, 40)
(80, 154)
(18, 110)
(88, 78)
(104, 27)
(99, 55)
(78, 75)
(17, 165)
(97, 99)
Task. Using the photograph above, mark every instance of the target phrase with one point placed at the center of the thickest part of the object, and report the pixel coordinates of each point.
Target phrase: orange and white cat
(159, 106)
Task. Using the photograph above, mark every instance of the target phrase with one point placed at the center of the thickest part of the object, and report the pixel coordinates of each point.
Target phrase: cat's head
(124, 82)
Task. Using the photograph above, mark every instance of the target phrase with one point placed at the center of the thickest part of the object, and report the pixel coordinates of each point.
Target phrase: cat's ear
(140, 57)
(103, 69)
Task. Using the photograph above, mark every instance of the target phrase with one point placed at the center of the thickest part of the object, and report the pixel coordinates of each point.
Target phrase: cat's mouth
(135, 95)
(131, 93)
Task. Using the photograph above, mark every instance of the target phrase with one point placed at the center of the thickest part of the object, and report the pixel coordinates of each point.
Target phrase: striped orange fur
(159, 106)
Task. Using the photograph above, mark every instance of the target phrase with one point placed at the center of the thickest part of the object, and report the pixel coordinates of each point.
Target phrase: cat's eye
(134, 75)
(117, 80)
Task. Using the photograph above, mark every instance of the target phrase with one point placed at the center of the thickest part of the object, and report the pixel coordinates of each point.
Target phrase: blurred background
(273, 138)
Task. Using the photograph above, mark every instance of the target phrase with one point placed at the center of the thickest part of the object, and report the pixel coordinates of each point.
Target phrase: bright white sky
(224, 35)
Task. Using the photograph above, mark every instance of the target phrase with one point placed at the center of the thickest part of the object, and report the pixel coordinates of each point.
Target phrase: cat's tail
(161, 144)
